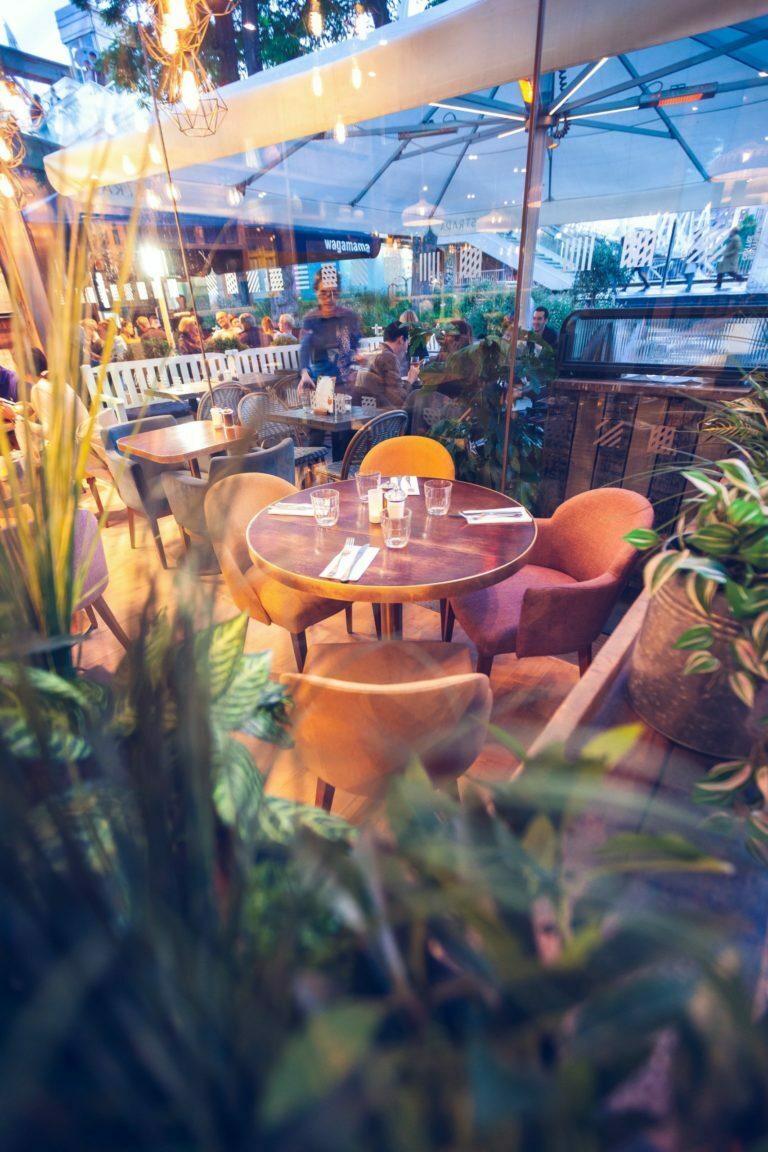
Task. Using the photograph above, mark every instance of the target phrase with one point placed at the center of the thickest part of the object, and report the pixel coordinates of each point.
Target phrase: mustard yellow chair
(364, 711)
(410, 456)
(230, 505)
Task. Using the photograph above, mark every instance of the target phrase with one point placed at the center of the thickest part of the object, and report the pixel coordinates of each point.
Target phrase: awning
(461, 46)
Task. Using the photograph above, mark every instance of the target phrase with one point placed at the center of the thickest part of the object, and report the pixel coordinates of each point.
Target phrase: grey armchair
(186, 493)
(138, 482)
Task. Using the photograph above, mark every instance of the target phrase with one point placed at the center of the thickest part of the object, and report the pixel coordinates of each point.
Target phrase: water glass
(375, 505)
(325, 505)
(308, 396)
(366, 483)
(396, 529)
(437, 496)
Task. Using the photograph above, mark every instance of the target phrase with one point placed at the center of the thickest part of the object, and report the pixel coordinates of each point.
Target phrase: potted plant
(709, 597)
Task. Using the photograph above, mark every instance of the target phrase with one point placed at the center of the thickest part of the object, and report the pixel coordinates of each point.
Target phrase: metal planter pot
(700, 711)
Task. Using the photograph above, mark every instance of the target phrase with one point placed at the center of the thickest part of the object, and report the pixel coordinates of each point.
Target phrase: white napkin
(407, 484)
(359, 567)
(290, 510)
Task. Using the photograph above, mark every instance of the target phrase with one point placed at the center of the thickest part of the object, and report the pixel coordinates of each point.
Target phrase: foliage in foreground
(173, 980)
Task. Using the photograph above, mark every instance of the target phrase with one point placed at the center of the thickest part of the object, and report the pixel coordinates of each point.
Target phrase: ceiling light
(152, 199)
(234, 196)
(357, 76)
(470, 196)
(172, 192)
(425, 187)
(422, 214)
(340, 131)
(249, 26)
(315, 19)
(763, 74)
(745, 156)
(478, 111)
(372, 75)
(472, 156)
(607, 112)
(572, 92)
(261, 195)
(511, 132)
(317, 82)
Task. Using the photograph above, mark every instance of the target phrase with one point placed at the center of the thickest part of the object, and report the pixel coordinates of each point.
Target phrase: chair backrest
(275, 461)
(114, 432)
(353, 735)
(410, 456)
(194, 368)
(252, 361)
(224, 396)
(382, 427)
(126, 381)
(89, 563)
(230, 506)
(253, 409)
(586, 533)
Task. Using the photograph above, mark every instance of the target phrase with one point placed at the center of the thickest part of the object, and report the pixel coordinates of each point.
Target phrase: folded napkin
(363, 556)
(290, 510)
(407, 484)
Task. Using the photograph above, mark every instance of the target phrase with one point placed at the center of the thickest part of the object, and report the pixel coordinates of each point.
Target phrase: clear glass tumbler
(366, 483)
(325, 505)
(437, 497)
(396, 529)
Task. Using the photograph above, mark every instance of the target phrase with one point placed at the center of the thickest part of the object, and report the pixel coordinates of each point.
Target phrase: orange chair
(410, 456)
(560, 600)
(230, 505)
(364, 711)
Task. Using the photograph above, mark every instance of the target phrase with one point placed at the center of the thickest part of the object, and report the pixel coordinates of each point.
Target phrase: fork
(341, 559)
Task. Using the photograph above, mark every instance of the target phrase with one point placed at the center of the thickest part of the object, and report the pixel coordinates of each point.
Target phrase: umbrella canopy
(653, 95)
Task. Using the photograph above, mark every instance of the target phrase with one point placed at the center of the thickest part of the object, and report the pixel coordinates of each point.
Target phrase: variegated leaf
(747, 656)
(659, 569)
(742, 686)
(701, 592)
(694, 639)
(699, 663)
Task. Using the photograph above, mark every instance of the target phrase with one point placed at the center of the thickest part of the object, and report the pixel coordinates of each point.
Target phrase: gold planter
(699, 711)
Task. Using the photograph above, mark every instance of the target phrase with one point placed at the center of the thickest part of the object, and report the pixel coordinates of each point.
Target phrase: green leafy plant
(721, 549)
(475, 438)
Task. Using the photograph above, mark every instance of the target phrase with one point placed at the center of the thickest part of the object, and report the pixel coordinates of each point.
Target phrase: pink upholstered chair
(560, 600)
(364, 711)
(90, 567)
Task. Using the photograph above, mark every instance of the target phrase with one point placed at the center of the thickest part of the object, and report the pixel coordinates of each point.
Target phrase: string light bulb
(7, 189)
(315, 19)
(357, 76)
(177, 15)
(340, 131)
(317, 82)
(169, 38)
(190, 96)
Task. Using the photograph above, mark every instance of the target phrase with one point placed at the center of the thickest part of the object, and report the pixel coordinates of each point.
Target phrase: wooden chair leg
(96, 494)
(376, 609)
(158, 541)
(91, 616)
(299, 641)
(484, 663)
(585, 658)
(100, 605)
(324, 794)
(348, 618)
(448, 620)
(132, 527)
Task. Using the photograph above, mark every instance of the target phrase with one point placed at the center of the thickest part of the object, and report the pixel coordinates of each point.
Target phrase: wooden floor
(526, 692)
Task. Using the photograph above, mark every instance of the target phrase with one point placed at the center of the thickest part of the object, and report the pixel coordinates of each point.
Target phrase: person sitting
(285, 333)
(541, 328)
(447, 380)
(383, 379)
(119, 347)
(408, 317)
(267, 331)
(250, 334)
(189, 342)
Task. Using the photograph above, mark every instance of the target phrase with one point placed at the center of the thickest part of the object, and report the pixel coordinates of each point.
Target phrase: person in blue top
(9, 385)
(330, 334)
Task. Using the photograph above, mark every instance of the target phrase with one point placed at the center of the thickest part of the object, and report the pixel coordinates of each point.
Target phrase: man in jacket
(382, 378)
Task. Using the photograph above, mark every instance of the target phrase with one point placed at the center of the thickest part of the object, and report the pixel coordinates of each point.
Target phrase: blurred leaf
(698, 637)
(218, 650)
(238, 784)
(540, 842)
(642, 538)
(280, 820)
(659, 569)
(700, 591)
(714, 539)
(612, 745)
(742, 686)
(703, 483)
(241, 697)
(726, 777)
(311, 1064)
(700, 663)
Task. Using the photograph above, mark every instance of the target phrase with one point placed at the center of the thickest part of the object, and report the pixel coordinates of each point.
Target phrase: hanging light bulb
(6, 186)
(357, 76)
(155, 154)
(169, 38)
(315, 19)
(190, 96)
(5, 151)
(152, 199)
(177, 15)
(172, 192)
(340, 131)
(317, 82)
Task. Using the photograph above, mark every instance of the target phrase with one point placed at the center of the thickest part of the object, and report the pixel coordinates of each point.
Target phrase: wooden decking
(526, 692)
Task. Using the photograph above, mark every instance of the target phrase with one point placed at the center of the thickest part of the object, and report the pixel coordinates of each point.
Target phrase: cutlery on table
(341, 559)
(357, 556)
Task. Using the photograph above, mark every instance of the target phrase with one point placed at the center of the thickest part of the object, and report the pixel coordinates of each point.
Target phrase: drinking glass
(437, 496)
(365, 483)
(325, 505)
(368, 404)
(396, 529)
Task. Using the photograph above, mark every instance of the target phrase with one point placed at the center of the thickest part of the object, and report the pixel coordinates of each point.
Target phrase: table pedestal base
(391, 621)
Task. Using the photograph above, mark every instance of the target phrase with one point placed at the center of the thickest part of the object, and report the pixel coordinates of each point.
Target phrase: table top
(355, 418)
(179, 443)
(445, 556)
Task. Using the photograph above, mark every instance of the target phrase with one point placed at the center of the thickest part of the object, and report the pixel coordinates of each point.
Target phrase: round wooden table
(445, 556)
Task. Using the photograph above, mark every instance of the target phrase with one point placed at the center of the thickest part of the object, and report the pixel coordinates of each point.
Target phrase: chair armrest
(565, 617)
